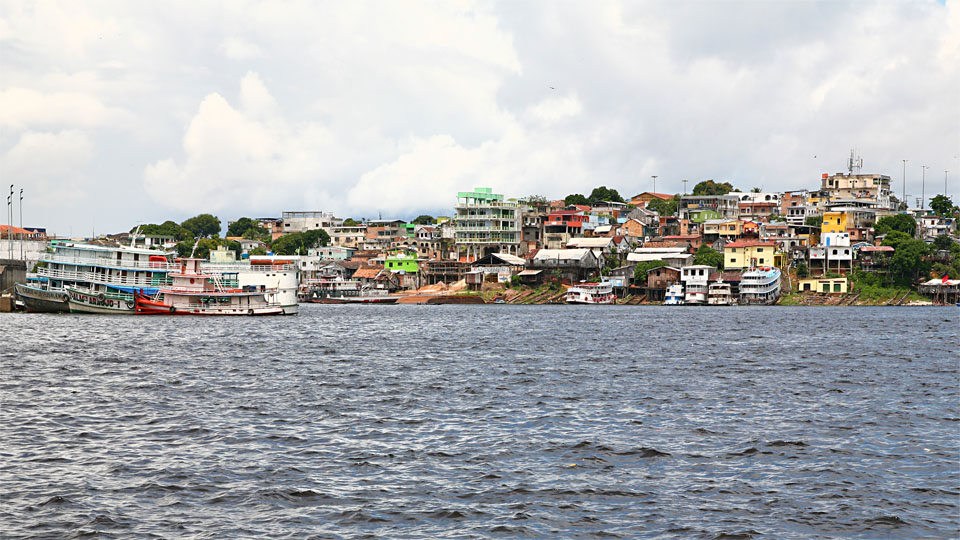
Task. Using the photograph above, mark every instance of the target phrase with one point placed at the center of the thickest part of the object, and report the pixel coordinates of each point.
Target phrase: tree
(600, 194)
(240, 226)
(709, 187)
(775, 217)
(291, 244)
(813, 221)
(350, 222)
(167, 228)
(895, 238)
(203, 225)
(942, 243)
(898, 222)
(423, 220)
(755, 190)
(640, 271)
(575, 198)
(908, 260)
(664, 207)
(802, 270)
(708, 256)
(942, 205)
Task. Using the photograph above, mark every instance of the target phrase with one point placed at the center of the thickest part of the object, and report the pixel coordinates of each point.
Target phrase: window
(759, 250)
(826, 287)
(761, 261)
(834, 252)
(836, 287)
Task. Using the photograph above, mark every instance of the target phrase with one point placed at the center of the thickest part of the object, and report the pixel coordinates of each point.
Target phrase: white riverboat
(92, 278)
(591, 293)
(196, 292)
(760, 286)
(674, 295)
(720, 294)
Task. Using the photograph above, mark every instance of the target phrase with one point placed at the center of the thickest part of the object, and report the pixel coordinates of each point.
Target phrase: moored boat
(760, 286)
(197, 293)
(84, 300)
(720, 294)
(38, 299)
(591, 293)
(674, 295)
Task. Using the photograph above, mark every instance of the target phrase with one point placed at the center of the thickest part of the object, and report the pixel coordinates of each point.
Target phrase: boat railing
(231, 290)
(228, 267)
(107, 295)
(162, 266)
(106, 279)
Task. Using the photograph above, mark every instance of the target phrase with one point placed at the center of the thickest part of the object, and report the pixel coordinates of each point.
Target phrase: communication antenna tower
(854, 163)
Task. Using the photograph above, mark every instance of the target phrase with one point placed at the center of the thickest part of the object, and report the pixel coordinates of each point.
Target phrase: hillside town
(849, 240)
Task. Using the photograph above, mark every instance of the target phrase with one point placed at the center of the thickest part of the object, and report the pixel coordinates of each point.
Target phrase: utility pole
(21, 226)
(684, 186)
(945, 183)
(923, 185)
(654, 183)
(10, 223)
(904, 181)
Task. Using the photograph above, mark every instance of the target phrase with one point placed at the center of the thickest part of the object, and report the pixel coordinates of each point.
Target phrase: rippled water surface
(483, 422)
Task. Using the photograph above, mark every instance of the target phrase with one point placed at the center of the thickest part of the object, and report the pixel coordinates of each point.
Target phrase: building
(699, 208)
(658, 280)
(744, 254)
(643, 199)
(874, 189)
(572, 264)
(349, 236)
(401, 261)
(332, 253)
(486, 223)
(674, 256)
(294, 222)
(561, 226)
(381, 233)
(823, 285)
(696, 282)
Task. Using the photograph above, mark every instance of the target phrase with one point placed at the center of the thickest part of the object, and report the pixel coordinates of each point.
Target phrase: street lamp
(21, 226)
(654, 183)
(923, 185)
(945, 183)
(904, 182)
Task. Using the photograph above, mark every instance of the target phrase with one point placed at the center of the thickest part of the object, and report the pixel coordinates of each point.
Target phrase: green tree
(423, 220)
(203, 225)
(664, 207)
(167, 228)
(240, 226)
(895, 238)
(257, 251)
(708, 256)
(813, 221)
(350, 222)
(640, 271)
(942, 205)
(942, 243)
(775, 217)
(575, 198)
(755, 190)
(908, 260)
(709, 187)
(602, 193)
(898, 222)
(291, 244)
(802, 270)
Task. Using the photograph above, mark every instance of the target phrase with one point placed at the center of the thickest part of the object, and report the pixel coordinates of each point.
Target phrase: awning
(529, 272)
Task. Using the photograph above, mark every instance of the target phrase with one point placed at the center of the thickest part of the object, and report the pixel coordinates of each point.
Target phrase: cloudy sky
(113, 113)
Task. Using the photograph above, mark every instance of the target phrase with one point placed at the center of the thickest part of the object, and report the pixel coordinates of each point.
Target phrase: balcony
(107, 262)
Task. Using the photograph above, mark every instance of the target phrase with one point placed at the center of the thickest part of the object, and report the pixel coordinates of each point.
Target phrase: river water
(483, 422)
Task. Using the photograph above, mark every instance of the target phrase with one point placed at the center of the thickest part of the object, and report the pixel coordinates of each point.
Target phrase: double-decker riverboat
(760, 286)
(89, 278)
(591, 293)
(195, 292)
(720, 294)
(674, 295)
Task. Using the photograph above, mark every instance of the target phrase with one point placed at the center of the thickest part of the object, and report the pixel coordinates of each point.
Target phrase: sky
(118, 113)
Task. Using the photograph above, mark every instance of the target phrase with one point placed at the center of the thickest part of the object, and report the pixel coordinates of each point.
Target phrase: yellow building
(834, 222)
(732, 228)
(744, 254)
(823, 285)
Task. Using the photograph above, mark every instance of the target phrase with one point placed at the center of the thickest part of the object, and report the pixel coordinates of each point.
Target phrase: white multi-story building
(696, 282)
(486, 223)
(294, 222)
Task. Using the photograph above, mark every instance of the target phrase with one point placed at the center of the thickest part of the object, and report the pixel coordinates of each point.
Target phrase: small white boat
(720, 294)
(674, 295)
(591, 293)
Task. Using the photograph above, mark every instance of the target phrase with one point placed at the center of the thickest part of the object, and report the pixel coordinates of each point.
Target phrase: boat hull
(103, 304)
(42, 301)
(148, 306)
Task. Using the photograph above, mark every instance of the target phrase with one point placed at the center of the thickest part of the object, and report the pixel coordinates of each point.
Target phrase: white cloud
(237, 49)
(49, 167)
(23, 108)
